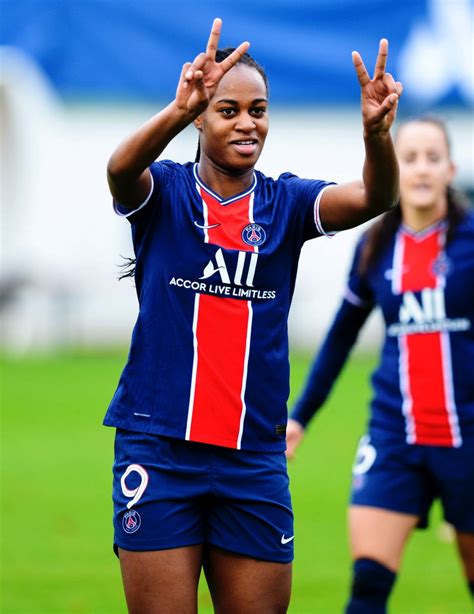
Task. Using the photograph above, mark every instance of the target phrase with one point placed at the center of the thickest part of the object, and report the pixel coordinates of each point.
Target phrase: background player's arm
(127, 171)
(325, 369)
(350, 204)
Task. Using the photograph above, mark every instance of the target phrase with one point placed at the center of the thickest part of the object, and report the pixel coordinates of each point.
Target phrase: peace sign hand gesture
(379, 95)
(200, 78)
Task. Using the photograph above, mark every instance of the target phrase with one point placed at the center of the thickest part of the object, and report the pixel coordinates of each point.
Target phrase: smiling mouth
(245, 146)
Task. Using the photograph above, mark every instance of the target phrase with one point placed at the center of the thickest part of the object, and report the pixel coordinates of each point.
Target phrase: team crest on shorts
(131, 521)
(253, 234)
(358, 482)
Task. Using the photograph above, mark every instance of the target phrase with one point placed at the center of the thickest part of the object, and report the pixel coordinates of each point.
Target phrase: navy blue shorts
(408, 478)
(170, 493)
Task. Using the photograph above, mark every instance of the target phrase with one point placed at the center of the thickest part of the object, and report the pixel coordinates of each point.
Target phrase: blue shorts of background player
(408, 478)
(170, 493)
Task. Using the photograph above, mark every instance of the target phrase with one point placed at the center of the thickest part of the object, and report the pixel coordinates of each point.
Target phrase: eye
(433, 157)
(227, 111)
(258, 111)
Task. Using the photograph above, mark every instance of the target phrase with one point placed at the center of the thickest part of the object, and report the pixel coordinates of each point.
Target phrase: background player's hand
(199, 79)
(294, 436)
(379, 95)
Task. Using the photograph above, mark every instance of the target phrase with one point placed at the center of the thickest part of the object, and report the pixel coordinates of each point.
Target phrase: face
(426, 169)
(234, 126)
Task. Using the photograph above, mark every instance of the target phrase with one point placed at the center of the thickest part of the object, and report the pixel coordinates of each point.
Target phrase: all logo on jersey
(131, 521)
(227, 278)
(253, 234)
(219, 267)
(425, 314)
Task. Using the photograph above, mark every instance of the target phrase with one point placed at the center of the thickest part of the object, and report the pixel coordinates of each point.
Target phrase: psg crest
(131, 521)
(253, 234)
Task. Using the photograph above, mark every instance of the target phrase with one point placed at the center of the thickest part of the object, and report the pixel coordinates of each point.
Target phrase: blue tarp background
(134, 49)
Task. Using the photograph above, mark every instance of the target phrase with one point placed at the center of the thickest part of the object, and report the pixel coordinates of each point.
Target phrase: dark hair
(379, 235)
(246, 60)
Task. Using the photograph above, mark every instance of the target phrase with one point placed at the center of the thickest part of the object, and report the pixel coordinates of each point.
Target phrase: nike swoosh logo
(285, 540)
(206, 227)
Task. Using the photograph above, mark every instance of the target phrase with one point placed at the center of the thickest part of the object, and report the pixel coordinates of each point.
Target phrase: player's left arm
(350, 204)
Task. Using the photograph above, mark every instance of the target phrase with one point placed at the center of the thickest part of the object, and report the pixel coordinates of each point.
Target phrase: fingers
(362, 74)
(185, 70)
(389, 104)
(235, 56)
(194, 68)
(213, 41)
(381, 61)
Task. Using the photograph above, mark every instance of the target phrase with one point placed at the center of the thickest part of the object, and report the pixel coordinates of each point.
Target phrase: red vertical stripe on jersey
(424, 366)
(221, 334)
(418, 259)
(229, 221)
(222, 329)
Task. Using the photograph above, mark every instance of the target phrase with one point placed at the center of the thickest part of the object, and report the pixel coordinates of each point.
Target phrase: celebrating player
(200, 475)
(417, 264)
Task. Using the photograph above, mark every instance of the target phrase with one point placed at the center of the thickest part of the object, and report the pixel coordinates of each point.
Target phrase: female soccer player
(417, 264)
(200, 472)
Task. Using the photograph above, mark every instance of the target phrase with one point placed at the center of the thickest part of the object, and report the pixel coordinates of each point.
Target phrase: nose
(245, 123)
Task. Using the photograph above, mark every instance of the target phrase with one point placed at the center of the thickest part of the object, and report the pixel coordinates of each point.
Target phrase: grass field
(56, 508)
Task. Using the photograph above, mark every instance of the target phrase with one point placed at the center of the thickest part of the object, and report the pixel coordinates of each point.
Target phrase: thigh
(465, 543)
(160, 485)
(392, 476)
(164, 581)
(379, 534)
(243, 585)
(251, 511)
(453, 472)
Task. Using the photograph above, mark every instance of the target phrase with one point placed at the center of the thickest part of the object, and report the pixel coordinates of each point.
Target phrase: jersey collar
(219, 199)
(420, 235)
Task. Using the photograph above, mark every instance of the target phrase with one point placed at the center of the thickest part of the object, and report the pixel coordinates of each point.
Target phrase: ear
(452, 171)
(198, 123)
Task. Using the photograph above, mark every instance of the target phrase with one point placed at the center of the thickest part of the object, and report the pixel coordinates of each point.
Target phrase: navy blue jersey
(214, 277)
(424, 384)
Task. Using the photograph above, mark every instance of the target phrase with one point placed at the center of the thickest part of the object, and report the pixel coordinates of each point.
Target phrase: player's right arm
(128, 171)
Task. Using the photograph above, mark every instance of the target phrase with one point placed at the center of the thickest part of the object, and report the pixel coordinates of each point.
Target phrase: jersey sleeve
(161, 172)
(358, 290)
(339, 341)
(307, 194)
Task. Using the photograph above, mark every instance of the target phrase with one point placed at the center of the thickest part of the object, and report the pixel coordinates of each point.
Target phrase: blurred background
(79, 75)
(76, 77)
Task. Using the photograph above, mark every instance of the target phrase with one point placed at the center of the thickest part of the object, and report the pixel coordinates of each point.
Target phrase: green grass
(56, 506)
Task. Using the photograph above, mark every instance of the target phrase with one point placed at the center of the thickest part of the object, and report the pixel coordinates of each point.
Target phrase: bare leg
(466, 550)
(379, 534)
(163, 581)
(242, 585)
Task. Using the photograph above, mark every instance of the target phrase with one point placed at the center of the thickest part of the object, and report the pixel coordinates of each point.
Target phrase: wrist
(182, 115)
(373, 134)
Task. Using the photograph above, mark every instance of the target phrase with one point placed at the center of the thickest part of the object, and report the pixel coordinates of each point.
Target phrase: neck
(225, 182)
(419, 219)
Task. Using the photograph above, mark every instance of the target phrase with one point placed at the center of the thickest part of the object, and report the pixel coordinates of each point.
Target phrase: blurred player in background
(417, 264)
(200, 474)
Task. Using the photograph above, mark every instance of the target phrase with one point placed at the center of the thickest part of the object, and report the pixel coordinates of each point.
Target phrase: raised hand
(200, 78)
(379, 95)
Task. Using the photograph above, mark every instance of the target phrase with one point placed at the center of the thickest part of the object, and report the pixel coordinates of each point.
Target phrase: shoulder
(467, 222)
(297, 187)
(164, 171)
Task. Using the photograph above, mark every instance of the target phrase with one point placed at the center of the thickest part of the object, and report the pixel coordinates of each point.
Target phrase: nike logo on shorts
(286, 540)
